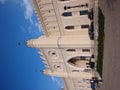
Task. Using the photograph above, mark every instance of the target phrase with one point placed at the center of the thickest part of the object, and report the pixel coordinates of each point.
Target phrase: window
(57, 66)
(90, 14)
(75, 70)
(86, 50)
(66, 14)
(63, 0)
(69, 27)
(84, 12)
(70, 50)
(87, 70)
(82, 58)
(84, 26)
(52, 53)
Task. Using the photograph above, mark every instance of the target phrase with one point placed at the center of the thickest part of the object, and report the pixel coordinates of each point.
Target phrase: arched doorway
(79, 61)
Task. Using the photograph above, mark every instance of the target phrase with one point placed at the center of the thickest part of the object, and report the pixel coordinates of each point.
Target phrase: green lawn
(100, 42)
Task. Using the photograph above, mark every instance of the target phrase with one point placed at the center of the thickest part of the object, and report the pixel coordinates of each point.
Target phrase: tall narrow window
(86, 50)
(69, 27)
(67, 14)
(63, 0)
(87, 70)
(70, 50)
(84, 26)
(75, 70)
(84, 12)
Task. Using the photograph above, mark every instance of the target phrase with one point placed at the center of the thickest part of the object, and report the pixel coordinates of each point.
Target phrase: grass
(100, 42)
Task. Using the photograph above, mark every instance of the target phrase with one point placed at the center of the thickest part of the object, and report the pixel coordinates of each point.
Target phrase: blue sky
(20, 65)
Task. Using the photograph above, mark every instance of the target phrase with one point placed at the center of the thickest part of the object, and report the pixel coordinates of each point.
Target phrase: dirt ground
(111, 66)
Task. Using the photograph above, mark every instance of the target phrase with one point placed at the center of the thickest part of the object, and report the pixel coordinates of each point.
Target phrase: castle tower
(67, 45)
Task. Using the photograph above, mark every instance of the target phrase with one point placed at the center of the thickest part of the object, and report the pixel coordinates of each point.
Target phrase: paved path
(111, 72)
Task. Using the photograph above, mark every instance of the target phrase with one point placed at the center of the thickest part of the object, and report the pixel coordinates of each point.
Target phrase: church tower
(67, 45)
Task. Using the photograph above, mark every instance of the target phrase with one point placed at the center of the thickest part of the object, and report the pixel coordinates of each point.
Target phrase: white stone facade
(66, 46)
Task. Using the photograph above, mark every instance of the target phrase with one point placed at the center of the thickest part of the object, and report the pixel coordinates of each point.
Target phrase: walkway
(111, 66)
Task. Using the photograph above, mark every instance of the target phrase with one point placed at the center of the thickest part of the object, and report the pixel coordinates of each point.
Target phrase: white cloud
(56, 80)
(28, 10)
(38, 26)
(12, 1)
(2, 1)
(22, 28)
(28, 29)
(29, 15)
(53, 78)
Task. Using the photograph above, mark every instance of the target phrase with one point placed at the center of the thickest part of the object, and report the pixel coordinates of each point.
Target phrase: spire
(29, 43)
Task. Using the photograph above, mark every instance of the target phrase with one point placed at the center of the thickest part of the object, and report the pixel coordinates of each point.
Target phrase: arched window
(69, 27)
(67, 14)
